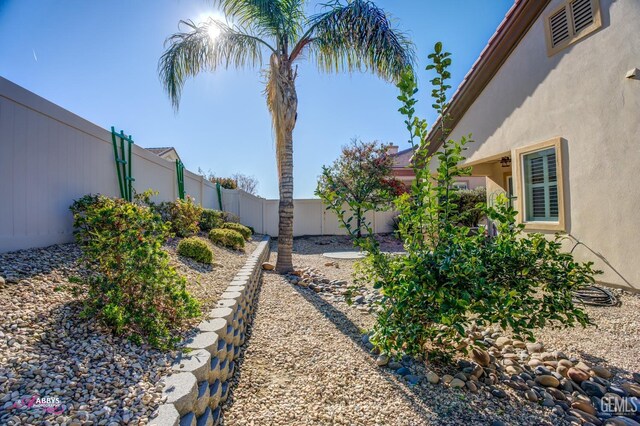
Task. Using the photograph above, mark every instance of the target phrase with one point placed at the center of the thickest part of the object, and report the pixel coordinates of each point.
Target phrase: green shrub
(227, 238)
(196, 249)
(211, 219)
(132, 287)
(184, 216)
(230, 217)
(243, 230)
(471, 205)
(450, 280)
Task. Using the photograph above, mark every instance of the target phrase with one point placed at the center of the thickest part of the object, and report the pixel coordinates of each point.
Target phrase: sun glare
(214, 31)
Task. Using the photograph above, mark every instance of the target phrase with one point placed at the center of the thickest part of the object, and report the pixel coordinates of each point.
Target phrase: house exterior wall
(171, 156)
(581, 95)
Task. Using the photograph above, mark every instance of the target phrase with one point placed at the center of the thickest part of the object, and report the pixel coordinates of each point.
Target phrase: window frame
(573, 37)
(519, 181)
(456, 184)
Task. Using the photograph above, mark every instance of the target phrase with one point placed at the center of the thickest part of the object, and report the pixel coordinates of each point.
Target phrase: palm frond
(281, 19)
(193, 51)
(358, 36)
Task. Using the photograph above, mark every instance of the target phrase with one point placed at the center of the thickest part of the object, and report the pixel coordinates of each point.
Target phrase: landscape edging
(213, 351)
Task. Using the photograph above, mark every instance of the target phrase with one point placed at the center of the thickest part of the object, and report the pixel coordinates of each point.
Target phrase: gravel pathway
(305, 365)
(305, 362)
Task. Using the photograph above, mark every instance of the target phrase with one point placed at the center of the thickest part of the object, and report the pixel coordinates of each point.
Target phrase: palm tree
(356, 36)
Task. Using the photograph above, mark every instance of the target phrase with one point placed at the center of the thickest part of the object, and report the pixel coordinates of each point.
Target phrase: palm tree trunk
(285, 210)
(283, 104)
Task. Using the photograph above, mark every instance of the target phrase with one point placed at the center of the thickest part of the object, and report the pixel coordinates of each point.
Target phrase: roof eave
(511, 30)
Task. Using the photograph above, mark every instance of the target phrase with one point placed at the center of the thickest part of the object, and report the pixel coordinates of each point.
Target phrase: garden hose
(595, 296)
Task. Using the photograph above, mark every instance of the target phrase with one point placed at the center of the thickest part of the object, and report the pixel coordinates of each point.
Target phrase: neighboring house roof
(163, 151)
(401, 159)
(513, 27)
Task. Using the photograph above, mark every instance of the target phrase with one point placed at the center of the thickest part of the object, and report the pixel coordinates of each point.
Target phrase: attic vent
(582, 15)
(571, 21)
(559, 26)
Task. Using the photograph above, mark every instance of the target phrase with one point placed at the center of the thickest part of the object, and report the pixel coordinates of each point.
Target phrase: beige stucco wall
(580, 94)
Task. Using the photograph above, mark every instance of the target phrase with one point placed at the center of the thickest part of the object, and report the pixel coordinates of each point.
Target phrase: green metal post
(219, 195)
(115, 153)
(180, 175)
(123, 164)
(129, 178)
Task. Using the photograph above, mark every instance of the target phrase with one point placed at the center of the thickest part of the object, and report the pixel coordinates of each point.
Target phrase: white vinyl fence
(310, 216)
(50, 156)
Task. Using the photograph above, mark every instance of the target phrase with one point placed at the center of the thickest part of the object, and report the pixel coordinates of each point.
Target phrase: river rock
(584, 406)
(602, 372)
(593, 389)
(382, 360)
(577, 375)
(433, 378)
(547, 380)
(456, 383)
(632, 389)
(535, 347)
(503, 341)
(481, 357)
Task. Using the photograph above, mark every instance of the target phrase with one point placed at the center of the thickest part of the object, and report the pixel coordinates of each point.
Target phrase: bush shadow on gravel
(24, 264)
(342, 322)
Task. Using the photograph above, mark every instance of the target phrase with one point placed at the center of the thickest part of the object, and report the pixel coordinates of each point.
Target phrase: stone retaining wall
(200, 379)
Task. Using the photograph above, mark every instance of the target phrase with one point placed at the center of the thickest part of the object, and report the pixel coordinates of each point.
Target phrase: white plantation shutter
(559, 27)
(581, 14)
(541, 186)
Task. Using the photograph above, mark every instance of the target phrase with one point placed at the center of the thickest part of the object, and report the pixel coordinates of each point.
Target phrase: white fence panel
(50, 156)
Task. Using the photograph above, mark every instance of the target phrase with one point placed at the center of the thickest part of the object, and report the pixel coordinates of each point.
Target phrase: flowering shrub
(132, 288)
(362, 179)
(243, 230)
(184, 216)
(227, 238)
(196, 249)
(450, 279)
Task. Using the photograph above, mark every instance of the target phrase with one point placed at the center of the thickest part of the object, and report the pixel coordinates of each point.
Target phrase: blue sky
(98, 59)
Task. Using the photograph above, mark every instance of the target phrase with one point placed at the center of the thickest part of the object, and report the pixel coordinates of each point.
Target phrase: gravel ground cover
(307, 361)
(90, 376)
(208, 282)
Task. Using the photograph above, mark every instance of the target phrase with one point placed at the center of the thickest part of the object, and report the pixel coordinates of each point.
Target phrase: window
(538, 180)
(460, 185)
(541, 186)
(570, 22)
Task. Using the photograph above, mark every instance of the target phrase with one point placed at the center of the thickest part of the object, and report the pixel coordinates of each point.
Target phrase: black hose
(595, 296)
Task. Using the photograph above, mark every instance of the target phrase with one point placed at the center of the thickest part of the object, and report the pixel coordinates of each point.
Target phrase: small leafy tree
(361, 178)
(451, 279)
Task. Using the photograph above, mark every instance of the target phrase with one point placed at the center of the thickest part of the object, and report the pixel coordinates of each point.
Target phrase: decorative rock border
(199, 382)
